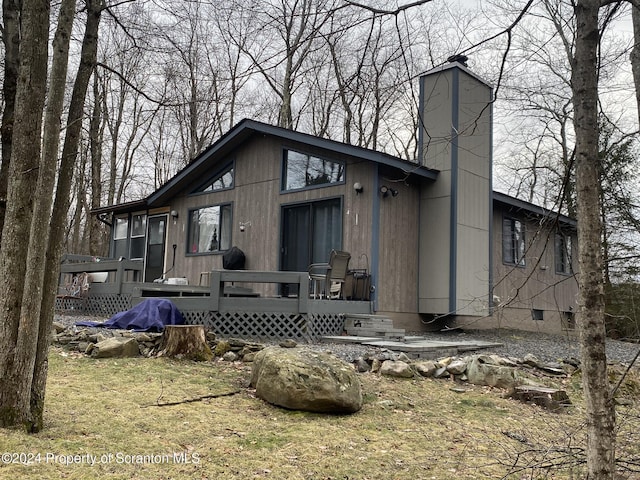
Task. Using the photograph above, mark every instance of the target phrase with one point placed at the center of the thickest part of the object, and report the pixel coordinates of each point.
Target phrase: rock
(441, 372)
(457, 367)
(396, 368)
(288, 343)
(425, 368)
(58, 327)
(375, 365)
(250, 348)
(403, 357)
(211, 337)
(480, 373)
(361, 365)
(302, 379)
(230, 356)
(221, 348)
(531, 360)
(116, 347)
(249, 357)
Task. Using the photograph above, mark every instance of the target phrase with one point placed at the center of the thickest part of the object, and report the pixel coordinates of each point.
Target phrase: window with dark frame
(537, 314)
(563, 253)
(306, 171)
(222, 180)
(513, 242)
(209, 229)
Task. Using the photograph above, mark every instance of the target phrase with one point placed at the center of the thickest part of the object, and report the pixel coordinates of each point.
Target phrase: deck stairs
(363, 325)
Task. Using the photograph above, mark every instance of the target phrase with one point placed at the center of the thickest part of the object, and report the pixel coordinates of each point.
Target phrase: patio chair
(328, 278)
(76, 291)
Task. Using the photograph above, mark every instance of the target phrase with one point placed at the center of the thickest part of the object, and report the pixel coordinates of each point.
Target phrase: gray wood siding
(256, 198)
(397, 288)
(536, 285)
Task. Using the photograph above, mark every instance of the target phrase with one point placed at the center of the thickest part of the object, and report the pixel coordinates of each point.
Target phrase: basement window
(537, 314)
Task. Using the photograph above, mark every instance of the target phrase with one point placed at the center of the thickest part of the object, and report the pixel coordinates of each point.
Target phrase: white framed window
(138, 235)
(121, 228)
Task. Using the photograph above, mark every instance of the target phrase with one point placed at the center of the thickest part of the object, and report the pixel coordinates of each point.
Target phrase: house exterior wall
(518, 291)
(257, 199)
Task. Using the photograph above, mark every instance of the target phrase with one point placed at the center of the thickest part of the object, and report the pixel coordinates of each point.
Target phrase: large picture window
(513, 244)
(563, 253)
(306, 171)
(209, 229)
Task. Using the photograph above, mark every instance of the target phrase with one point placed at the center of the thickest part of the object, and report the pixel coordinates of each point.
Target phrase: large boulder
(484, 370)
(303, 379)
(396, 368)
(116, 347)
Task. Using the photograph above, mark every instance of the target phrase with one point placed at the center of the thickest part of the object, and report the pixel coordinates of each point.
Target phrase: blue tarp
(150, 315)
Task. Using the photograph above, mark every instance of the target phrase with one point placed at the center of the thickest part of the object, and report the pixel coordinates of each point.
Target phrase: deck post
(119, 277)
(303, 293)
(215, 285)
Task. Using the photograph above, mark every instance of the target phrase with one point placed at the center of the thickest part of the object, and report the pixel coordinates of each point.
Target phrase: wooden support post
(185, 341)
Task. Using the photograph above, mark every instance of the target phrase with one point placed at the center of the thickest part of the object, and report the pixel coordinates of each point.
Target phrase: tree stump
(549, 398)
(185, 341)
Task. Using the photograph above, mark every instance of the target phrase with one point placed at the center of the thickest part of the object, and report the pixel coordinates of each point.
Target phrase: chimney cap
(458, 58)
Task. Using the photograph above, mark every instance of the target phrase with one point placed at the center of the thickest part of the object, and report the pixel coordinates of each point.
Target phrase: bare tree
(18, 330)
(11, 41)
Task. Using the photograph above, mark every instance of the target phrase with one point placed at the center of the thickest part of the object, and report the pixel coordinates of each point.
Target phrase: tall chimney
(456, 139)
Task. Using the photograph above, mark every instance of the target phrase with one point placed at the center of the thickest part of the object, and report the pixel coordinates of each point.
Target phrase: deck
(229, 305)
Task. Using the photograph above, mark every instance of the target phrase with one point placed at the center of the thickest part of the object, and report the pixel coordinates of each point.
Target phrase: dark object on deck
(233, 259)
(358, 285)
(150, 315)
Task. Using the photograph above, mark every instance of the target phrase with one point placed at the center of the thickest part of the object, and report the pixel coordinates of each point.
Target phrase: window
(122, 225)
(220, 181)
(537, 314)
(513, 245)
(209, 229)
(563, 254)
(305, 171)
(138, 235)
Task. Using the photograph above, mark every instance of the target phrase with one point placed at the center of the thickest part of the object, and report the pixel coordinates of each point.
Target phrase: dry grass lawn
(105, 411)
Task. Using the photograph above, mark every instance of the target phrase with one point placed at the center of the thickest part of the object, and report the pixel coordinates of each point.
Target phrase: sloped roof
(239, 134)
(522, 205)
(247, 128)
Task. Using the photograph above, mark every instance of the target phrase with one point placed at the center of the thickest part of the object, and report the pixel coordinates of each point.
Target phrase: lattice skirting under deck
(99, 305)
(271, 326)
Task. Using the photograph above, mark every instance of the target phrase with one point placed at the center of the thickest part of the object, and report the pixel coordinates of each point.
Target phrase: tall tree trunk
(635, 54)
(88, 57)
(18, 340)
(31, 304)
(11, 40)
(96, 126)
(598, 399)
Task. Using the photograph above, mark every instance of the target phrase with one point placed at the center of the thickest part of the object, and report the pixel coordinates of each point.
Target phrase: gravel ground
(516, 343)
